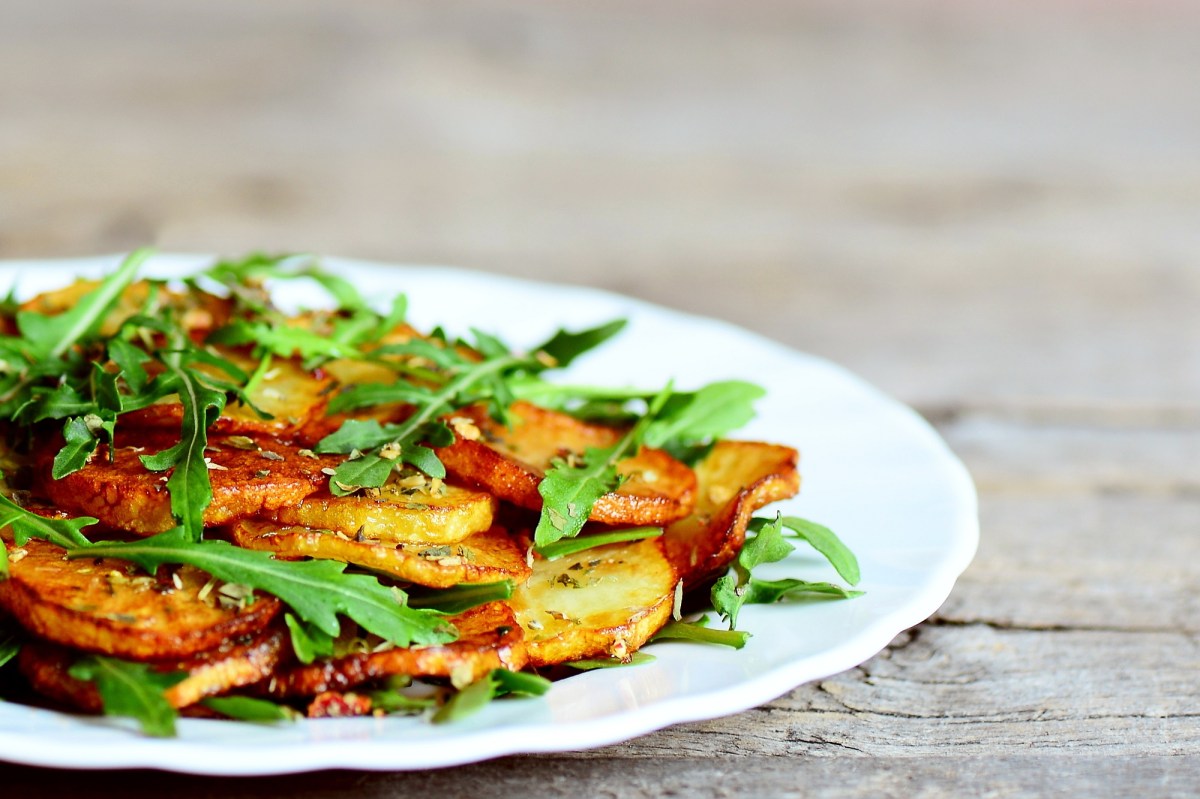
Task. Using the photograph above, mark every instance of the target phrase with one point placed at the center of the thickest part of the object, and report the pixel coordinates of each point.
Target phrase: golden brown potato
(248, 477)
(482, 558)
(488, 638)
(734, 480)
(414, 509)
(603, 602)
(511, 463)
(111, 607)
(234, 664)
(293, 397)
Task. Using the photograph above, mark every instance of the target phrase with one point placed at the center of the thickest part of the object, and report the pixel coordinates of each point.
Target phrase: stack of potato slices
(276, 485)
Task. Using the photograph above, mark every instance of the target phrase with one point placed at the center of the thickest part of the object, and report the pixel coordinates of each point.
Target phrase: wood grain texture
(989, 210)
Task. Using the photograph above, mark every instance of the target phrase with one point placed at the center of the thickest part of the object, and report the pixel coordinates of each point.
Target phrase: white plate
(873, 470)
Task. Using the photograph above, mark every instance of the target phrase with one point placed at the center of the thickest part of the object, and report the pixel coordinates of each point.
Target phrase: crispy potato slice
(511, 463)
(488, 638)
(415, 510)
(735, 479)
(482, 558)
(234, 664)
(111, 607)
(603, 602)
(293, 397)
(199, 312)
(248, 477)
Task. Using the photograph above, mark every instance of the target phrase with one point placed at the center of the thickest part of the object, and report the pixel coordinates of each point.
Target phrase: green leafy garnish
(729, 592)
(496, 683)
(260, 266)
(570, 489)
(460, 598)
(318, 590)
(457, 380)
(188, 485)
(308, 641)
(573, 546)
(766, 592)
(590, 664)
(247, 708)
(50, 337)
(564, 347)
(392, 701)
(683, 423)
(10, 641)
(26, 525)
(688, 422)
(732, 591)
(133, 690)
(699, 632)
(823, 540)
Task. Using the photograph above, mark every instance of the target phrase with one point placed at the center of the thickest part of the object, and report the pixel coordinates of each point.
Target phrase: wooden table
(992, 213)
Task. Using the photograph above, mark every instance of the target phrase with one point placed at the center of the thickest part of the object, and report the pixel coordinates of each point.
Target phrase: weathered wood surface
(988, 211)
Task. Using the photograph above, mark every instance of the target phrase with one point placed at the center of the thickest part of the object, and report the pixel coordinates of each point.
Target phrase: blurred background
(991, 210)
(966, 202)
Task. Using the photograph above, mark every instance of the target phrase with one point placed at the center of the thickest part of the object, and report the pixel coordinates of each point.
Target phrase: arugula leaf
(703, 416)
(564, 347)
(26, 525)
(573, 546)
(699, 632)
(732, 591)
(49, 337)
(766, 592)
(417, 428)
(728, 593)
(308, 642)
(259, 266)
(10, 642)
(129, 360)
(283, 340)
(590, 664)
(246, 708)
(824, 541)
(60, 402)
(371, 394)
(134, 690)
(394, 317)
(318, 590)
(393, 701)
(461, 598)
(189, 484)
(357, 434)
(496, 683)
(81, 443)
(569, 491)
(369, 471)
(465, 380)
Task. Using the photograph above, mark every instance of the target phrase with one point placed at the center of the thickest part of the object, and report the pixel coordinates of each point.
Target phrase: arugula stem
(264, 365)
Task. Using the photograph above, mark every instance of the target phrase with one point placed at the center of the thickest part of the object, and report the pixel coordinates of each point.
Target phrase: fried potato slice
(234, 664)
(603, 602)
(735, 479)
(248, 477)
(294, 399)
(109, 606)
(198, 312)
(488, 638)
(482, 558)
(415, 510)
(511, 463)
